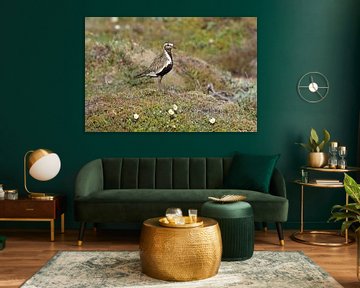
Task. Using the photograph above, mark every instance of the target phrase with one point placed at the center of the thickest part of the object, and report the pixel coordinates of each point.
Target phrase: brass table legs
(297, 235)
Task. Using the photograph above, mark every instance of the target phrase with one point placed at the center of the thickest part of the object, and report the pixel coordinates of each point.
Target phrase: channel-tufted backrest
(165, 173)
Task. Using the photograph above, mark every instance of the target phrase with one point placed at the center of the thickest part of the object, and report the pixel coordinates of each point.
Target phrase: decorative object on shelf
(317, 157)
(332, 163)
(313, 87)
(350, 213)
(2, 192)
(342, 153)
(11, 194)
(304, 176)
(43, 165)
(228, 198)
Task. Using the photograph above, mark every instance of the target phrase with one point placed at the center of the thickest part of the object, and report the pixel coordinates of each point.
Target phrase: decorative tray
(228, 198)
(165, 222)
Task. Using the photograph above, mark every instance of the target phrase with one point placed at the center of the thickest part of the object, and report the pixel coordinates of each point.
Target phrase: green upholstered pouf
(236, 221)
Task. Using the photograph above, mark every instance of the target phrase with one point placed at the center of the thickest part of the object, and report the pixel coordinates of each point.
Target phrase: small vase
(317, 159)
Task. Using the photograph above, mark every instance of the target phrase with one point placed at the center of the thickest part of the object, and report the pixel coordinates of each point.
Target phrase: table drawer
(28, 209)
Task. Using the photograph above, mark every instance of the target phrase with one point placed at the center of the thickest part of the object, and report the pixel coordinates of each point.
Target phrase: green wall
(42, 88)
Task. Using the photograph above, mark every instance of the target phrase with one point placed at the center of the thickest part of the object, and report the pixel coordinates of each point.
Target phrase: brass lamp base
(41, 196)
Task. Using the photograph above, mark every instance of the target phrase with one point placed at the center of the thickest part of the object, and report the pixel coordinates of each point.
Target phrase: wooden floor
(28, 250)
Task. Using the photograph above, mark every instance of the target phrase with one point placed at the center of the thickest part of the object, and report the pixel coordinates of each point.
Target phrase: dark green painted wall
(42, 88)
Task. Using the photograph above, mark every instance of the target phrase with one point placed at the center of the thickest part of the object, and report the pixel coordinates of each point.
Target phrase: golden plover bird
(161, 65)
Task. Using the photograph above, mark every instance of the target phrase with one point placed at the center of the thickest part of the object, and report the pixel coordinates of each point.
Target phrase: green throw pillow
(251, 172)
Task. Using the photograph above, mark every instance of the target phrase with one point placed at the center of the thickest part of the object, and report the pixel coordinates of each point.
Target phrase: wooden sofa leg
(280, 233)
(81, 233)
(265, 227)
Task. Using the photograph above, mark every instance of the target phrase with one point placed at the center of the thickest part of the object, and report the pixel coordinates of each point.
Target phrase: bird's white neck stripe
(169, 60)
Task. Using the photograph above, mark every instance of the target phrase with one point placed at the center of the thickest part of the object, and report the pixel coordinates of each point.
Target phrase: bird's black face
(168, 46)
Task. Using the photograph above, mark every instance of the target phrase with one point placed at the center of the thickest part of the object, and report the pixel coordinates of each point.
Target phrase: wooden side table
(26, 209)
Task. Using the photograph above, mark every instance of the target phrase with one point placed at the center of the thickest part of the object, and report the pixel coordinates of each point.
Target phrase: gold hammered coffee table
(180, 254)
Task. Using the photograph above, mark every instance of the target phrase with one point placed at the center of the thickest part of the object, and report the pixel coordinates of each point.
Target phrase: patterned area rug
(122, 269)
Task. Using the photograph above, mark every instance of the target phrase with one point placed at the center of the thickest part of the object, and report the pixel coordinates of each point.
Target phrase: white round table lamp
(43, 165)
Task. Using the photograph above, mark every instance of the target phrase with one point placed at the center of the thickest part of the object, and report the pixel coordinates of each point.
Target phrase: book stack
(327, 181)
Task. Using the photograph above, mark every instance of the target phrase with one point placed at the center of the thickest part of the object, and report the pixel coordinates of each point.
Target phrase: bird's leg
(159, 82)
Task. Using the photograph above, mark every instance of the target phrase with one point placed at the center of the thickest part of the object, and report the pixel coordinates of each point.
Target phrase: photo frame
(170, 74)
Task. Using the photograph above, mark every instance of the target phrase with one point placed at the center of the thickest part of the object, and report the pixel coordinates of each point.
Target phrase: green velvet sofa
(130, 190)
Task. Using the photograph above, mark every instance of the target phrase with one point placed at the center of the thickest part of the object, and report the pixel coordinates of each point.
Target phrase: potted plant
(350, 214)
(317, 157)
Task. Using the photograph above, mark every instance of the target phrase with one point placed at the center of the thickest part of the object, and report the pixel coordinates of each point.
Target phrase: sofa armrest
(277, 184)
(89, 179)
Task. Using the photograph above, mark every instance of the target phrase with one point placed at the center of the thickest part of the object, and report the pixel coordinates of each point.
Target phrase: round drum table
(180, 254)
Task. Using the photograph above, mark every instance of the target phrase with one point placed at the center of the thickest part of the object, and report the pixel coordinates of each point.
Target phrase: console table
(297, 235)
(27, 209)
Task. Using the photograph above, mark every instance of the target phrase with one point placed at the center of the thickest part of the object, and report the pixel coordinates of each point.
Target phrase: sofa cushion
(251, 172)
(266, 207)
(133, 204)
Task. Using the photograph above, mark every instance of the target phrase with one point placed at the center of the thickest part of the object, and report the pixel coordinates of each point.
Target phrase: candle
(333, 144)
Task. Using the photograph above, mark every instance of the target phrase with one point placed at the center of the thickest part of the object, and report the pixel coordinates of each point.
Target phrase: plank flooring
(28, 250)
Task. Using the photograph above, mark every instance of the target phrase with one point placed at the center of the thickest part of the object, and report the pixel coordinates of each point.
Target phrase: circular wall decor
(313, 87)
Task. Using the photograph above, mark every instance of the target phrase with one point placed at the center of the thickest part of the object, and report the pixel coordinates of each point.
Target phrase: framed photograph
(170, 74)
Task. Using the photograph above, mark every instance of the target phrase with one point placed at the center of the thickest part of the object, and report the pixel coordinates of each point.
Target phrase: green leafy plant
(314, 144)
(349, 214)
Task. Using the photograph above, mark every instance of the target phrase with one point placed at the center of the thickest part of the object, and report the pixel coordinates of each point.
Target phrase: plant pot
(317, 159)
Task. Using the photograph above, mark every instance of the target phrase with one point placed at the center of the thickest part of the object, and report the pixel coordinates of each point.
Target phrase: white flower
(114, 19)
(175, 107)
(171, 112)
(117, 27)
(212, 120)
(136, 116)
